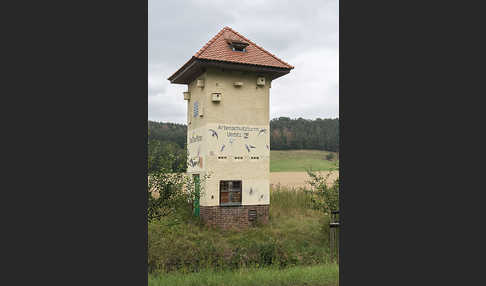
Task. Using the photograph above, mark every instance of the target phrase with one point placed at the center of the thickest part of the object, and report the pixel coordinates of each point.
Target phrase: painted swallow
(267, 146)
(262, 131)
(222, 148)
(247, 148)
(194, 162)
(214, 133)
(251, 146)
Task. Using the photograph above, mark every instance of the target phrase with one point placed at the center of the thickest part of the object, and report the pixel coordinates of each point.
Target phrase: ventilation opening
(237, 45)
(239, 48)
(252, 215)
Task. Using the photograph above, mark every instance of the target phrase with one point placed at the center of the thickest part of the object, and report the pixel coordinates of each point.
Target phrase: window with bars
(230, 193)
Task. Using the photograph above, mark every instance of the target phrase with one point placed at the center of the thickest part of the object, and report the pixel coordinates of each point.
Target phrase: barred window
(230, 193)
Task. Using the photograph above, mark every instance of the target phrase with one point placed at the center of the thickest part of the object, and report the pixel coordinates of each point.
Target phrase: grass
(300, 160)
(318, 275)
(296, 235)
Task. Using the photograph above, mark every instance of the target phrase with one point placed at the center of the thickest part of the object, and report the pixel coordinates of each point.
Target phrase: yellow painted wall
(238, 126)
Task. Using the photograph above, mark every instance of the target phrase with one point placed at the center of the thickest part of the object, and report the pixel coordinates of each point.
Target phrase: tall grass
(294, 200)
(295, 235)
(320, 275)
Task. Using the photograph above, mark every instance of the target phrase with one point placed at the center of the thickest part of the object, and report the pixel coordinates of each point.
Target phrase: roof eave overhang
(195, 67)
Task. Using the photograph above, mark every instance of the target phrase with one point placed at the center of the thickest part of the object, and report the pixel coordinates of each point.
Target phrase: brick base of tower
(234, 216)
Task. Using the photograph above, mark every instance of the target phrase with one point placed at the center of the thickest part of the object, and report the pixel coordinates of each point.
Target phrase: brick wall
(233, 216)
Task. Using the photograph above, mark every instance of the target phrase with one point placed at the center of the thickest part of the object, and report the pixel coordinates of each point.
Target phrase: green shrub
(171, 192)
(324, 194)
(166, 155)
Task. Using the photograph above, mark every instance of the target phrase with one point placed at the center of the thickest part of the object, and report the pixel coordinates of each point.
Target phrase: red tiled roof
(218, 49)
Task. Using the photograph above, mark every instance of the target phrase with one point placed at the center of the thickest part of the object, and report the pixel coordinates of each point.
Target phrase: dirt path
(296, 179)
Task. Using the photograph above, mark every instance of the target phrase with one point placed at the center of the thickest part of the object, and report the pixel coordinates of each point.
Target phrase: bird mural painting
(213, 133)
(262, 131)
(196, 160)
(193, 162)
(230, 145)
(248, 147)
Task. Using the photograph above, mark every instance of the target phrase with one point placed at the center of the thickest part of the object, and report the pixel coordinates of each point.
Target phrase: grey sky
(304, 35)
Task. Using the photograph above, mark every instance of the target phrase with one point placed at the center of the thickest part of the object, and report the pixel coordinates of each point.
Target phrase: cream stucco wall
(237, 126)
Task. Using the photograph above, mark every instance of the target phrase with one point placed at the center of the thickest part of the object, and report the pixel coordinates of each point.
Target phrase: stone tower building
(228, 138)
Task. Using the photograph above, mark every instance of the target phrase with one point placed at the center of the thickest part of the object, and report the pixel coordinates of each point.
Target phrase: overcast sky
(303, 35)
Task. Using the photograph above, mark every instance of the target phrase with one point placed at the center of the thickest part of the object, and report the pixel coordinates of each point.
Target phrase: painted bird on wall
(193, 162)
(262, 131)
(222, 147)
(213, 133)
(248, 147)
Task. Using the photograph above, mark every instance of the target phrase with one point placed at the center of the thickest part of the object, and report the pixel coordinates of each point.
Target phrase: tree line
(318, 134)
(169, 132)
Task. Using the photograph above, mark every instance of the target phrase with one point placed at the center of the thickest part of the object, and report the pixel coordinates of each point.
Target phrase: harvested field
(296, 179)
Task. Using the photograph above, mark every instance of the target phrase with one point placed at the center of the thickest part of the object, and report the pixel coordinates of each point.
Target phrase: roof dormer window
(236, 44)
(238, 49)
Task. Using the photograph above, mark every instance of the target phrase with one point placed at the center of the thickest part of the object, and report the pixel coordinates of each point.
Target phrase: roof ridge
(251, 42)
(262, 49)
